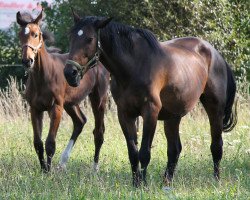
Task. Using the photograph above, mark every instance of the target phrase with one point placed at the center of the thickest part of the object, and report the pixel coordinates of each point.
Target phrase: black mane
(120, 35)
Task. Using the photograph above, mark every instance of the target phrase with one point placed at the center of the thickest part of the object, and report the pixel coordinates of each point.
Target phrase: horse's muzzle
(28, 62)
(72, 76)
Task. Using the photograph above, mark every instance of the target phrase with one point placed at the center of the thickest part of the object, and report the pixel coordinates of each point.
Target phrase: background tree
(224, 23)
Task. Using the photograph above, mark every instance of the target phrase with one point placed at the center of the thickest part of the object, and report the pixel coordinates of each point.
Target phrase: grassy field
(21, 178)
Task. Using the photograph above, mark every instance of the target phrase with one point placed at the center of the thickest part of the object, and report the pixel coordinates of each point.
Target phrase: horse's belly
(179, 103)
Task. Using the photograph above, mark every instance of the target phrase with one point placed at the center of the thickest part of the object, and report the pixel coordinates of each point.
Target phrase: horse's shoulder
(58, 57)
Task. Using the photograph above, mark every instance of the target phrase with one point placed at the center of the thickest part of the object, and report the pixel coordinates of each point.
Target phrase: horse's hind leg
(37, 124)
(215, 113)
(171, 128)
(79, 121)
(55, 117)
(98, 107)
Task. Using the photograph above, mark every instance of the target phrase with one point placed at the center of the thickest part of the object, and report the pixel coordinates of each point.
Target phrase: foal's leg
(98, 109)
(150, 116)
(37, 124)
(55, 117)
(171, 128)
(214, 110)
(129, 130)
(79, 121)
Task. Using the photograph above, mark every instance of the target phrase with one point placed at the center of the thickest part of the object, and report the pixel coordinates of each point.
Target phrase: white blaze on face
(80, 32)
(26, 30)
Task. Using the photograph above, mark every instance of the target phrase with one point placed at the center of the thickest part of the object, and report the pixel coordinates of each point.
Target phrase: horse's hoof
(95, 167)
(45, 170)
(61, 167)
(137, 183)
(168, 180)
(166, 189)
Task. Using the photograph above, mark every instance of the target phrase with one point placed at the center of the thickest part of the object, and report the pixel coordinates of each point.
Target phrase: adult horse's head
(85, 47)
(30, 37)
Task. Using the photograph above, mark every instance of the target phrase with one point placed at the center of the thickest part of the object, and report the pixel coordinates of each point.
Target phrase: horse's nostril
(74, 72)
(31, 61)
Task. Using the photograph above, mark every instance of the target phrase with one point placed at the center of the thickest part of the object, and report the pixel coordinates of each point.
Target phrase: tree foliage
(224, 23)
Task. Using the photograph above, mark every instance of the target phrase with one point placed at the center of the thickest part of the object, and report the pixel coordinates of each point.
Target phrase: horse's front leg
(55, 117)
(37, 124)
(79, 121)
(129, 130)
(150, 115)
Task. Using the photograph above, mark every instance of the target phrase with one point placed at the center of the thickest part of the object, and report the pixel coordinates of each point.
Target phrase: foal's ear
(39, 17)
(76, 16)
(19, 19)
(102, 23)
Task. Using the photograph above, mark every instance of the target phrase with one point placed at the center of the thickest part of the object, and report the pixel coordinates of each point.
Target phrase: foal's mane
(120, 35)
(48, 37)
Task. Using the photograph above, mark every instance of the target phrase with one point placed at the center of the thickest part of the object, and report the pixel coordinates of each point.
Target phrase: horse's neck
(42, 66)
(116, 65)
(127, 66)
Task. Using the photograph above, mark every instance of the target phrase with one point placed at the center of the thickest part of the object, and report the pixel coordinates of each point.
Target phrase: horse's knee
(38, 144)
(174, 151)
(98, 137)
(80, 124)
(144, 157)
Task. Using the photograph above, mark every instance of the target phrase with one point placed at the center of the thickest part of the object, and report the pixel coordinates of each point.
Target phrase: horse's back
(216, 83)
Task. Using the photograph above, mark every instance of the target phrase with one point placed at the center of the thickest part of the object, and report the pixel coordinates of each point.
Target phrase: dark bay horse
(47, 90)
(158, 81)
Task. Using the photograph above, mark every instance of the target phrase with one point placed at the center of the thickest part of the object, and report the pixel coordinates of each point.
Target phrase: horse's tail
(230, 116)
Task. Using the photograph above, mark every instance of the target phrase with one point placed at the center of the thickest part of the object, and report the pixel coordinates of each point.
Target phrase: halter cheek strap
(82, 69)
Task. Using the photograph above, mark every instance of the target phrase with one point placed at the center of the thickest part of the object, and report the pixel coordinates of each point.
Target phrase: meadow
(21, 178)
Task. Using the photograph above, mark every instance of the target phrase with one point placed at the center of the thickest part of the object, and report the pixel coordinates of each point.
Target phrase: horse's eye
(89, 39)
(35, 35)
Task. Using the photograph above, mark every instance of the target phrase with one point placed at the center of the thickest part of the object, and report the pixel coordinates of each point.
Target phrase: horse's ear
(76, 16)
(19, 19)
(102, 23)
(39, 17)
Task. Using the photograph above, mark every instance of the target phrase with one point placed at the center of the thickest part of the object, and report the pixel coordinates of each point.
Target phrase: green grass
(21, 178)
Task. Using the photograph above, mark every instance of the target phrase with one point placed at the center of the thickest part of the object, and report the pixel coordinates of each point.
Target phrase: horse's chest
(40, 99)
(129, 102)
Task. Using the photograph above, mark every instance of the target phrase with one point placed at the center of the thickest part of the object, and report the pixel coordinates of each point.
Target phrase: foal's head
(83, 52)
(30, 37)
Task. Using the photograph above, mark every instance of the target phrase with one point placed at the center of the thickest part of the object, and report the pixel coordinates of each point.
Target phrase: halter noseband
(82, 69)
(34, 49)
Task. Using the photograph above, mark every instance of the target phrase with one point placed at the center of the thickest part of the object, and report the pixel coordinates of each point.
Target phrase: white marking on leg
(95, 167)
(66, 153)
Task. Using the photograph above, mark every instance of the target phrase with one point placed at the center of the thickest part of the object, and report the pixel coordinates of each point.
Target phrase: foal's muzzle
(72, 76)
(28, 62)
